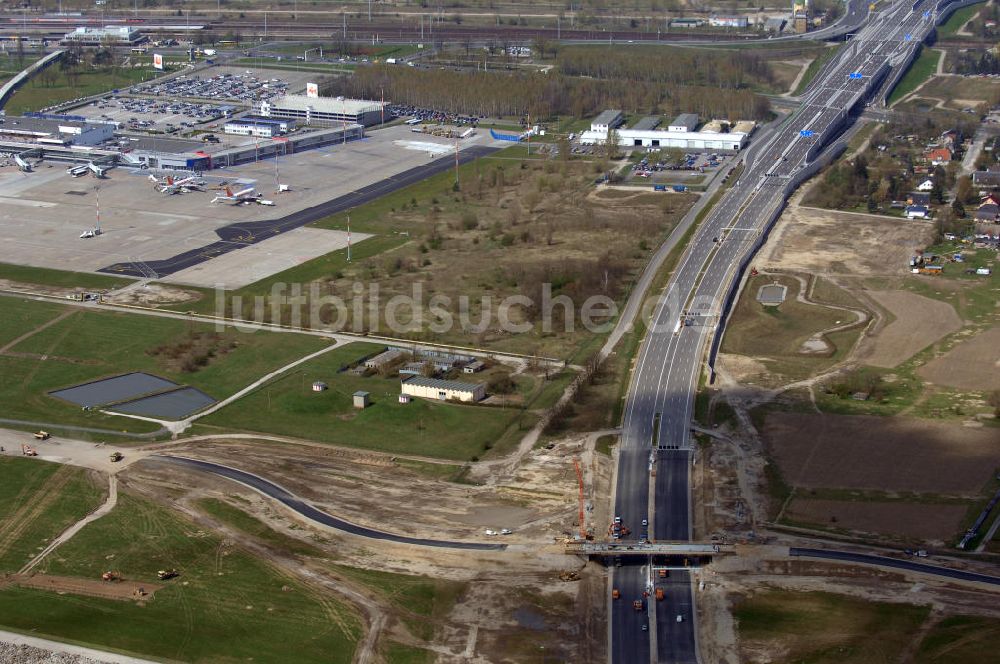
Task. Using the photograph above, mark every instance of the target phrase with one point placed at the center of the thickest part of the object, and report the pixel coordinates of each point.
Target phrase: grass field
(958, 640)
(814, 68)
(39, 500)
(60, 278)
(922, 69)
(775, 335)
(422, 601)
(288, 406)
(822, 628)
(226, 606)
(961, 16)
(36, 94)
(255, 528)
(91, 344)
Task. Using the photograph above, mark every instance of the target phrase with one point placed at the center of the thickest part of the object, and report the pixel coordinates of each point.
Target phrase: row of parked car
(235, 87)
(432, 115)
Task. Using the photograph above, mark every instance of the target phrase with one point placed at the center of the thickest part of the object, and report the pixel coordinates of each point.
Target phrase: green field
(922, 69)
(814, 68)
(822, 628)
(39, 500)
(249, 525)
(961, 16)
(61, 278)
(960, 639)
(226, 605)
(288, 406)
(92, 344)
(39, 93)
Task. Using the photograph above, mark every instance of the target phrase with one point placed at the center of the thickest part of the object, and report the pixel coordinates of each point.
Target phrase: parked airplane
(94, 232)
(243, 196)
(171, 186)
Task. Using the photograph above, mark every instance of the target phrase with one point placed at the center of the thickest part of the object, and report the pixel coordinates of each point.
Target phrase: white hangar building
(679, 134)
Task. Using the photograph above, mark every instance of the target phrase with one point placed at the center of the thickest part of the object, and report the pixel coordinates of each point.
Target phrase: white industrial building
(324, 110)
(260, 127)
(109, 34)
(679, 134)
(728, 21)
(434, 388)
(55, 130)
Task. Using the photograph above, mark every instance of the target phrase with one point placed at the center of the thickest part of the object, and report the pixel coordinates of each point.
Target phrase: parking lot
(43, 213)
(221, 86)
(160, 115)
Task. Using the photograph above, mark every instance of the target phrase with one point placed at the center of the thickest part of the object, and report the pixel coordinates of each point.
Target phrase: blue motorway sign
(806, 133)
(907, 37)
(927, 14)
(856, 75)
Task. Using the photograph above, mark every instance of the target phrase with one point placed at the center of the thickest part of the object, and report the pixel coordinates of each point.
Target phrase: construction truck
(659, 594)
(27, 450)
(637, 605)
(111, 576)
(42, 435)
(618, 530)
(165, 574)
(116, 457)
(615, 594)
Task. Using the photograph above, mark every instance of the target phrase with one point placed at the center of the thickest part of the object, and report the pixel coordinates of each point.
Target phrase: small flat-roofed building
(109, 34)
(688, 23)
(606, 120)
(361, 399)
(683, 122)
(728, 21)
(473, 367)
(434, 388)
(324, 110)
(383, 359)
(252, 125)
(319, 386)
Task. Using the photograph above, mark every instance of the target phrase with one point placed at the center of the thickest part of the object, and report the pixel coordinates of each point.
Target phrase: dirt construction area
(973, 364)
(842, 243)
(119, 589)
(881, 453)
(917, 322)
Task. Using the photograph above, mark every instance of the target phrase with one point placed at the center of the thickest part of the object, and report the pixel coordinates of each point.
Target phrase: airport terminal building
(55, 130)
(324, 111)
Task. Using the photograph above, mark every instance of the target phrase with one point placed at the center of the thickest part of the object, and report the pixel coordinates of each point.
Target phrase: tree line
(543, 95)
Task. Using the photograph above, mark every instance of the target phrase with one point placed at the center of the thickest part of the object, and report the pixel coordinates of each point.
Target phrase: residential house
(985, 179)
(918, 198)
(939, 156)
(926, 185)
(917, 212)
(988, 210)
(951, 139)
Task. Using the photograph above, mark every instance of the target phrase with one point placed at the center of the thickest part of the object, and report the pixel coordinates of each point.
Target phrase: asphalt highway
(298, 505)
(896, 563)
(658, 412)
(239, 235)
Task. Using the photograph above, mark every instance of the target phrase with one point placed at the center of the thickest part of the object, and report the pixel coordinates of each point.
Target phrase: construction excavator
(111, 576)
(116, 457)
(28, 450)
(165, 574)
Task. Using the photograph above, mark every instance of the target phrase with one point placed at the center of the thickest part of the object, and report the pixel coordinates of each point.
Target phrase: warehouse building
(252, 125)
(728, 21)
(607, 120)
(683, 122)
(55, 130)
(109, 34)
(434, 388)
(324, 110)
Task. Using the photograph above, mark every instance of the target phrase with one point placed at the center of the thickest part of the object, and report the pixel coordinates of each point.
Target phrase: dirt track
(918, 322)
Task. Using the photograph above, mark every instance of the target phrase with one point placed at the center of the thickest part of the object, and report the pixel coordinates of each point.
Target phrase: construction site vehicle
(27, 450)
(659, 594)
(111, 576)
(637, 605)
(615, 594)
(116, 457)
(42, 435)
(165, 574)
(617, 530)
(663, 573)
